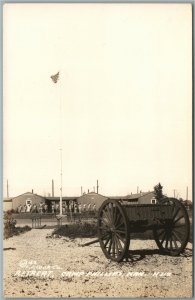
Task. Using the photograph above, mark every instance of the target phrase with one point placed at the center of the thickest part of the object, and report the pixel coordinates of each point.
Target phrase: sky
(125, 86)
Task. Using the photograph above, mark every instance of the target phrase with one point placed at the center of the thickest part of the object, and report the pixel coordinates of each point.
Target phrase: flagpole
(61, 174)
(55, 79)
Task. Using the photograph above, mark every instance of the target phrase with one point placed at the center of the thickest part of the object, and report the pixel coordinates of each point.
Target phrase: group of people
(73, 207)
(40, 208)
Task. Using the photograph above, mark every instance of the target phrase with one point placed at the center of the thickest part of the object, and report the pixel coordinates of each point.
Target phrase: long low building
(29, 202)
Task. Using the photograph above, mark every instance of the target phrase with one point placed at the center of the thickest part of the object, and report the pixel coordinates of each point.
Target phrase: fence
(48, 220)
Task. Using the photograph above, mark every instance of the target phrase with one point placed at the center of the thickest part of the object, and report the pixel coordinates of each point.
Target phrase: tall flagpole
(60, 152)
(55, 79)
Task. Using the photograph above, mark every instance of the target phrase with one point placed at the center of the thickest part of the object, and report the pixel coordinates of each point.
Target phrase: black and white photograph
(97, 150)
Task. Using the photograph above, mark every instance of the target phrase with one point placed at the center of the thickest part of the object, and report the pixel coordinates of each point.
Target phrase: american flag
(55, 77)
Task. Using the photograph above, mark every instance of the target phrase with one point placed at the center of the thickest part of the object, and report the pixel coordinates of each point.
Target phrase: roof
(137, 196)
(28, 193)
(58, 198)
(117, 197)
(130, 197)
(91, 194)
(47, 198)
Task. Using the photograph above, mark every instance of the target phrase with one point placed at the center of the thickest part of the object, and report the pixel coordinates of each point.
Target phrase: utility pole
(7, 189)
(52, 188)
(187, 193)
(97, 187)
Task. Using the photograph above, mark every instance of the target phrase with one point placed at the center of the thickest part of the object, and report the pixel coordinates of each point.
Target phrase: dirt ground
(36, 265)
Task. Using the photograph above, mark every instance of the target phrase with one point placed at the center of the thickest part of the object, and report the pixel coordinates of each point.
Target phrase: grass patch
(77, 230)
(15, 231)
(10, 228)
(18, 230)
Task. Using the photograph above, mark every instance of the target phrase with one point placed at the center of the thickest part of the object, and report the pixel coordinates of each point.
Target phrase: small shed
(141, 198)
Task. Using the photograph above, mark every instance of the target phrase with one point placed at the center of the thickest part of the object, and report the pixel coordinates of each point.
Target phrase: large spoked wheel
(113, 230)
(172, 237)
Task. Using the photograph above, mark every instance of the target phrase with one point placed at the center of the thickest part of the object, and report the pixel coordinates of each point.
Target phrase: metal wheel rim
(173, 238)
(113, 230)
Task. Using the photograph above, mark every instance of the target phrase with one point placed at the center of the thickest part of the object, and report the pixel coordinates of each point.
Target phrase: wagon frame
(168, 219)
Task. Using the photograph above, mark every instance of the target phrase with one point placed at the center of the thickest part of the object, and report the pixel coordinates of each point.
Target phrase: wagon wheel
(173, 235)
(113, 230)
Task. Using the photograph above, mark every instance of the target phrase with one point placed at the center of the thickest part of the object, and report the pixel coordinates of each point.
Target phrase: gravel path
(36, 265)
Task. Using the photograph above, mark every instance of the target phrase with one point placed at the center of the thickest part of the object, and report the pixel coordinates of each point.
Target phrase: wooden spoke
(176, 212)
(119, 243)
(116, 244)
(179, 226)
(177, 237)
(117, 220)
(104, 226)
(113, 246)
(105, 221)
(110, 245)
(120, 238)
(163, 238)
(107, 241)
(175, 242)
(171, 243)
(111, 212)
(118, 216)
(159, 234)
(115, 214)
(107, 215)
(180, 230)
(120, 231)
(167, 241)
(176, 229)
(118, 226)
(104, 231)
(181, 217)
(105, 235)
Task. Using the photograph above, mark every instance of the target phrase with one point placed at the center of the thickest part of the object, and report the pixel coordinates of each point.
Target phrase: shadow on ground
(138, 255)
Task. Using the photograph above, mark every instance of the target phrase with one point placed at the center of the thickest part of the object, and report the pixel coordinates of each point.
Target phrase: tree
(158, 192)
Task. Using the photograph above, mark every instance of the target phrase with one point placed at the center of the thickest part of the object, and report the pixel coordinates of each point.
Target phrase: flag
(55, 77)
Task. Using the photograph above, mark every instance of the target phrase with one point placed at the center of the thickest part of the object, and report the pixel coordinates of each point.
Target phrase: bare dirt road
(36, 265)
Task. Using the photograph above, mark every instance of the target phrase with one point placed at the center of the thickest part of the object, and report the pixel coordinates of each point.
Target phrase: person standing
(53, 208)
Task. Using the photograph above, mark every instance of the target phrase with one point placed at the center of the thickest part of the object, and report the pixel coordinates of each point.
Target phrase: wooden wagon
(117, 220)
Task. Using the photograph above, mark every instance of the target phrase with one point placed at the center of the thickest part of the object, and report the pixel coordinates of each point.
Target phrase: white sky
(126, 87)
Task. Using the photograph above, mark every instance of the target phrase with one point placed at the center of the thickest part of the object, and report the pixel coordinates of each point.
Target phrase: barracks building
(30, 202)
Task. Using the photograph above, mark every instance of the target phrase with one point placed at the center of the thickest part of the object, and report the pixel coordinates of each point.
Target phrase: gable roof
(28, 193)
(117, 197)
(91, 194)
(131, 197)
(137, 196)
(58, 198)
